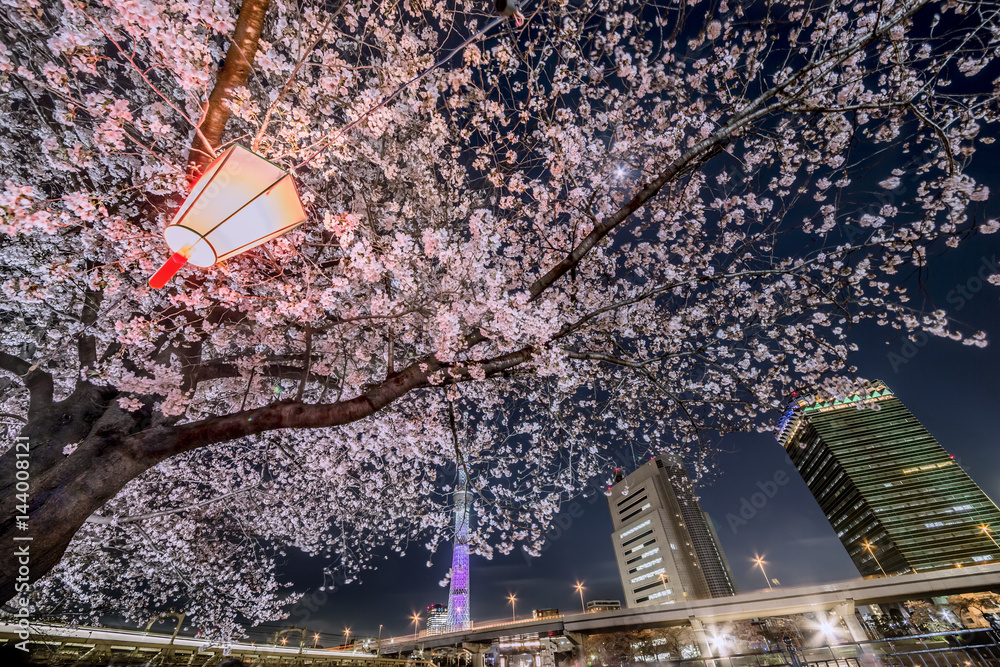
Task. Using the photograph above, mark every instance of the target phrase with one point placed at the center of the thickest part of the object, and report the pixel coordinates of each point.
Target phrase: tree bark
(43, 507)
(234, 73)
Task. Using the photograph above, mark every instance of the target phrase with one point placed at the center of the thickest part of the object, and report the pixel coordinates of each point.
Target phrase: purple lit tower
(458, 595)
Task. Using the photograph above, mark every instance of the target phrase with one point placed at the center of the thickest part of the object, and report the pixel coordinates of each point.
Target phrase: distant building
(897, 501)
(603, 605)
(437, 619)
(545, 613)
(665, 545)
(728, 580)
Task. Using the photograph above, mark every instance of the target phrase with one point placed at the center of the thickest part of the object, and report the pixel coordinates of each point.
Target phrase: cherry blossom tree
(621, 225)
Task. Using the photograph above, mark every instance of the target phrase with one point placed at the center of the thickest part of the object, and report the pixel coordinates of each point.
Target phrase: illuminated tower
(898, 502)
(458, 595)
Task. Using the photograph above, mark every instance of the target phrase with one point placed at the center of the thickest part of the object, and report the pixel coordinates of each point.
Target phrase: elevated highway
(57, 644)
(841, 597)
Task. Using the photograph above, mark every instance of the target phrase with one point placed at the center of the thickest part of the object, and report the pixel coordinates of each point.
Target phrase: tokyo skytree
(458, 594)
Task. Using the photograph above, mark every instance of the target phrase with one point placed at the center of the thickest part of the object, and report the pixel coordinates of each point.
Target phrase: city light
(986, 531)
(868, 546)
(416, 619)
(759, 560)
(719, 643)
(513, 607)
(579, 589)
(827, 629)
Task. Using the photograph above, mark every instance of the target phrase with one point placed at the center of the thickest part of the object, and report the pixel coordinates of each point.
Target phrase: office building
(665, 545)
(437, 619)
(898, 502)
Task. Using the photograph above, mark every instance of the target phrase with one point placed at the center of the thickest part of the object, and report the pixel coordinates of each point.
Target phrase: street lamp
(579, 589)
(868, 546)
(986, 531)
(347, 636)
(315, 640)
(759, 560)
(416, 619)
(513, 606)
(378, 646)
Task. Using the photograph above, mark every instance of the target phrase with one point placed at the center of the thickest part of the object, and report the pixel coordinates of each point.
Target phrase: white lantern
(240, 202)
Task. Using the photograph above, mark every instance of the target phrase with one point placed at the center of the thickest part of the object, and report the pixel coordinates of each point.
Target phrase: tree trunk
(234, 73)
(60, 491)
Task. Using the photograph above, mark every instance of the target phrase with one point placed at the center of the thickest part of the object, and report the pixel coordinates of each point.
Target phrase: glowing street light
(718, 643)
(416, 619)
(513, 606)
(827, 630)
(759, 560)
(868, 546)
(986, 531)
(315, 640)
(579, 589)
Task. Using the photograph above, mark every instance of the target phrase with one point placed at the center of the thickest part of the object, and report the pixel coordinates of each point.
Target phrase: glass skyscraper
(898, 502)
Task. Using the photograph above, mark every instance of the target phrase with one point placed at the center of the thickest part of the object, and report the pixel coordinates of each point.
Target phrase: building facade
(665, 545)
(897, 501)
(437, 619)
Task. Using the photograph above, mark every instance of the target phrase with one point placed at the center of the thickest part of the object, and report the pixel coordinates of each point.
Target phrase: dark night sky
(951, 388)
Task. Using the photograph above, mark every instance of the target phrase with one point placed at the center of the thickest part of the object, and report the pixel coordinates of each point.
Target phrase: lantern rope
(335, 134)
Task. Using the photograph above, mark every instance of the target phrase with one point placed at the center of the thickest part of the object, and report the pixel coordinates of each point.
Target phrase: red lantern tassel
(168, 270)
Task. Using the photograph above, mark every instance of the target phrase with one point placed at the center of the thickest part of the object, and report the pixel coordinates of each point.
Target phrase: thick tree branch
(15, 365)
(234, 73)
(86, 344)
(38, 382)
(159, 443)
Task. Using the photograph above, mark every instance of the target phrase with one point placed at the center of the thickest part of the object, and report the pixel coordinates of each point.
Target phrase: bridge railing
(971, 648)
(474, 626)
(55, 644)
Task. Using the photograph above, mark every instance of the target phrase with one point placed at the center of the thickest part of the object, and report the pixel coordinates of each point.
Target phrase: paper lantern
(240, 202)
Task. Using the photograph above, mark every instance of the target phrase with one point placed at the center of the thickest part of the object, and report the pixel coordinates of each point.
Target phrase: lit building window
(635, 528)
